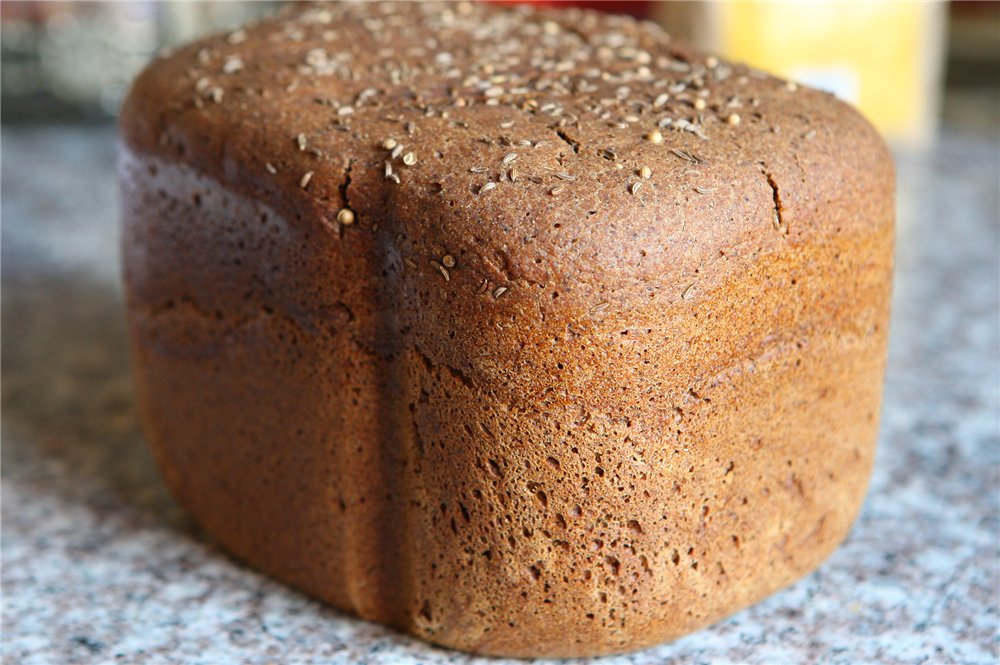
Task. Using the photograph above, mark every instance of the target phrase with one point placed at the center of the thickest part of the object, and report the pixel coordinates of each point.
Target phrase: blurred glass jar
(74, 60)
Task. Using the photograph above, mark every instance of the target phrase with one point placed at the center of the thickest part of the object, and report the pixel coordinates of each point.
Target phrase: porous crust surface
(595, 361)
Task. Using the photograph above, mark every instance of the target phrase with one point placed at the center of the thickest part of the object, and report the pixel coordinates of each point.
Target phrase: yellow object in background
(883, 57)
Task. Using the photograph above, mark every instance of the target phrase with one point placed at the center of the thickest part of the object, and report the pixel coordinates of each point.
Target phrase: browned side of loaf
(513, 421)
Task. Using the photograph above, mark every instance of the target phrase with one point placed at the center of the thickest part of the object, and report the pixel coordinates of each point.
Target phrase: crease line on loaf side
(345, 194)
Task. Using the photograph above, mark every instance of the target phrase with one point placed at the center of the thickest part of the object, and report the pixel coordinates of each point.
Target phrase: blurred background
(100, 565)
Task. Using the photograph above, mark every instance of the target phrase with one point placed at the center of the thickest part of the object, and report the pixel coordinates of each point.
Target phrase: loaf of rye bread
(528, 332)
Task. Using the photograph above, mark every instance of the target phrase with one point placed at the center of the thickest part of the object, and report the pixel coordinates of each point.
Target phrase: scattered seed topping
(441, 269)
(410, 263)
(448, 260)
(232, 65)
(499, 291)
(546, 74)
(688, 292)
(345, 216)
(317, 58)
(686, 156)
(776, 221)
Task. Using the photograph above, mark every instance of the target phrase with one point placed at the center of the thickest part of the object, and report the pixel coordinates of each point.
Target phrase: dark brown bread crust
(558, 416)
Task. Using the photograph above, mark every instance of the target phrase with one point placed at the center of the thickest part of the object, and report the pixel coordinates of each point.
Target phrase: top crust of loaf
(540, 145)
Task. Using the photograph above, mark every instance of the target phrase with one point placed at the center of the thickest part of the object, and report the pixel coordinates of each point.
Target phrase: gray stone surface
(100, 566)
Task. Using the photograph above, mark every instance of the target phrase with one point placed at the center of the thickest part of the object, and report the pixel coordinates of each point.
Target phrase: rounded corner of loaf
(155, 96)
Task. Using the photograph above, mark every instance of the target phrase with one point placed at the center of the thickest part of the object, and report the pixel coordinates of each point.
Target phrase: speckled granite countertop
(100, 566)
